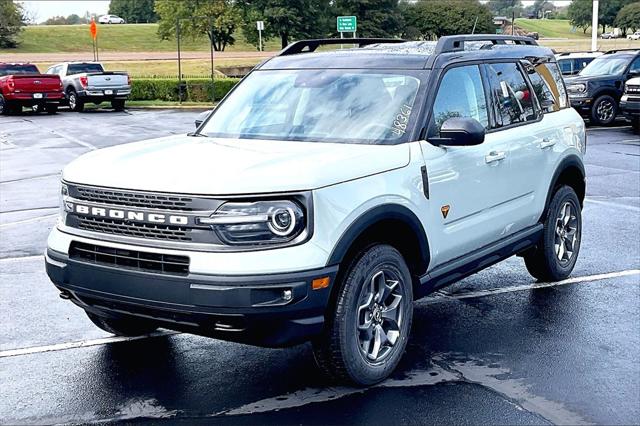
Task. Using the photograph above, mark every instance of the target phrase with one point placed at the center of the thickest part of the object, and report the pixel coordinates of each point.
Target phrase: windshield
(82, 68)
(344, 106)
(606, 66)
(18, 69)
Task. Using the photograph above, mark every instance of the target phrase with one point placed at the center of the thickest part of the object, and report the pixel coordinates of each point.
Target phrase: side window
(510, 94)
(461, 94)
(566, 65)
(548, 102)
(551, 75)
(635, 65)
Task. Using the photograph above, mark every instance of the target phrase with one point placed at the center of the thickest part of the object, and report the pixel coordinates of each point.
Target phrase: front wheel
(557, 251)
(604, 110)
(123, 327)
(635, 125)
(367, 331)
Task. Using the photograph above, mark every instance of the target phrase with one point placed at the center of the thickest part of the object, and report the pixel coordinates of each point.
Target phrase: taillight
(84, 81)
(11, 84)
(128, 80)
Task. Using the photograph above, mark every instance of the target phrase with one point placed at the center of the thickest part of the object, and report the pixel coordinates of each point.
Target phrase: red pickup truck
(22, 85)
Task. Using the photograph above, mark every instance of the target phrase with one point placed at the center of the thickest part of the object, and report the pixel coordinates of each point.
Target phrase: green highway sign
(347, 24)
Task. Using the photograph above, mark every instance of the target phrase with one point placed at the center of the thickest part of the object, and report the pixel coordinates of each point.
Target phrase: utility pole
(594, 27)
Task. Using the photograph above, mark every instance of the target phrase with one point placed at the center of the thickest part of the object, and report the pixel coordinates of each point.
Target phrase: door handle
(546, 143)
(494, 156)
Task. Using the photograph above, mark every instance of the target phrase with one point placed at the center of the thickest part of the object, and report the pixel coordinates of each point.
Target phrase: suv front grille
(134, 199)
(129, 259)
(134, 229)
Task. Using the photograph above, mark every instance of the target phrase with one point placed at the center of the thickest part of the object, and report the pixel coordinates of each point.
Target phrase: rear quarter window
(510, 93)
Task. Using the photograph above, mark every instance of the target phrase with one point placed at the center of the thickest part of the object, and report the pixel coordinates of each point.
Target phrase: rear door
(467, 184)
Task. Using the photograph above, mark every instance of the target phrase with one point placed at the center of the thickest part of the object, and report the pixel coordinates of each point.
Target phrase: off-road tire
(604, 110)
(339, 351)
(75, 103)
(543, 262)
(123, 327)
(118, 104)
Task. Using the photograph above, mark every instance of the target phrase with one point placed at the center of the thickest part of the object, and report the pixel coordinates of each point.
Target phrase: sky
(41, 10)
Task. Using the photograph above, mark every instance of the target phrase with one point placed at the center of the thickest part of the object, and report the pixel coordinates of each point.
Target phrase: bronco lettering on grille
(127, 215)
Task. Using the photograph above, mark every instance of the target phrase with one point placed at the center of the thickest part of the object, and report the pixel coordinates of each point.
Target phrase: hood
(587, 79)
(208, 166)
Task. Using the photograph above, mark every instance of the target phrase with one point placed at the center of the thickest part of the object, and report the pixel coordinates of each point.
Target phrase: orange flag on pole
(93, 28)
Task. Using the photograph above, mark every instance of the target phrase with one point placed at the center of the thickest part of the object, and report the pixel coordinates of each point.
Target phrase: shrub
(166, 89)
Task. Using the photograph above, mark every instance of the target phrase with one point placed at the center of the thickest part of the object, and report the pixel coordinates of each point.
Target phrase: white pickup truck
(88, 82)
(634, 36)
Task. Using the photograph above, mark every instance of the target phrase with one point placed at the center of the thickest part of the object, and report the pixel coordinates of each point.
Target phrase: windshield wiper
(194, 134)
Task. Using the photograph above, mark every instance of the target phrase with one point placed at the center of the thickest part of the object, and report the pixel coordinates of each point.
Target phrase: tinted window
(566, 66)
(461, 94)
(635, 65)
(11, 69)
(606, 65)
(82, 68)
(580, 63)
(510, 93)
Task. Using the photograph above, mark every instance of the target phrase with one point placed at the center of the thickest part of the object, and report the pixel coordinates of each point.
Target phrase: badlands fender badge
(445, 210)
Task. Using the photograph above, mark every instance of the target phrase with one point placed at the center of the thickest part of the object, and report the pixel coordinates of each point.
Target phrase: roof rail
(311, 45)
(630, 49)
(455, 43)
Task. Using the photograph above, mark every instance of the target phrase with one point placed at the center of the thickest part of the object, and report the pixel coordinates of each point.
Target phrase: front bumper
(582, 104)
(249, 309)
(630, 108)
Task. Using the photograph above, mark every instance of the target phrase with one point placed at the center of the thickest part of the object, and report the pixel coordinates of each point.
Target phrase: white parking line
(440, 298)
(613, 204)
(73, 139)
(80, 344)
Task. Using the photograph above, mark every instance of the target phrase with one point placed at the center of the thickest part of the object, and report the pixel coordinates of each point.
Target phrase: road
(496, 348)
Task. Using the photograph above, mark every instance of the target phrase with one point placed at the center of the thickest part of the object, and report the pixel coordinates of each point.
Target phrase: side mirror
(460, 131)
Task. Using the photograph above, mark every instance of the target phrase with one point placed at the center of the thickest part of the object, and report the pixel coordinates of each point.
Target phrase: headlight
(258, 223)
(577, 88)
(64, 192)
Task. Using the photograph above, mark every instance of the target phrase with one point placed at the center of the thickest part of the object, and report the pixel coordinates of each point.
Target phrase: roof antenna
(474, 26)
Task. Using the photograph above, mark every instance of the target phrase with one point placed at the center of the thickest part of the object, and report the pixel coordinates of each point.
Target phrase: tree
(505, 7)
(435, 18)
(287, 19)
(72, 19)
(134, 10)
(12, 20)
(579, 13)
(608, 11)
(195, 16)
(629, 17)
(376, 18)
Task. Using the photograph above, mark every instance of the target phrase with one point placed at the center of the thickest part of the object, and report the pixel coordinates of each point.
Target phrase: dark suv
(595, 92)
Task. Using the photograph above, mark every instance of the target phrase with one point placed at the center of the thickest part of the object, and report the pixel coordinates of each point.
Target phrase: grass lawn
(124, 38)
(552, 28)
(168, 68)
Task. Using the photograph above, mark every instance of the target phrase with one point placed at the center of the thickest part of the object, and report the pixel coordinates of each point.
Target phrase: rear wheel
(3, 106)
(557, 252)
(367, 332)
(118, 104)
(604, 110)
(123, 327)
(75, 103)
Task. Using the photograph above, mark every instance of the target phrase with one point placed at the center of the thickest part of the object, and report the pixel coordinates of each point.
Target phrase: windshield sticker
(401, 119)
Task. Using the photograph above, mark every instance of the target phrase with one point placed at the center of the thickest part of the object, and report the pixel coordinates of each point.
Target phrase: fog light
(287, 295)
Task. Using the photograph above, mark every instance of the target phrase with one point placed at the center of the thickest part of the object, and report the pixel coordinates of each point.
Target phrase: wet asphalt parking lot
(495, 348)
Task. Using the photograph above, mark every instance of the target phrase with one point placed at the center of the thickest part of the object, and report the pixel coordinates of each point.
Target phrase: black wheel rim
(379, 315)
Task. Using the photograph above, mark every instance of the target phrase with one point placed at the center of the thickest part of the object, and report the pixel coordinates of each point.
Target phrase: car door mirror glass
(460, 131)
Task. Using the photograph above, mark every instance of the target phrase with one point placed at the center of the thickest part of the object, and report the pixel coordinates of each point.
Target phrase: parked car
(609, 35)
(326, 193)
(22, 85)
(571, 63)
(630, 103)
(634, 36)
(86, 82)
(111, 19)
(596, 90)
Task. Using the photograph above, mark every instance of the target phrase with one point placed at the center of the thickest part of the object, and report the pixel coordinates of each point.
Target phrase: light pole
(594, 27)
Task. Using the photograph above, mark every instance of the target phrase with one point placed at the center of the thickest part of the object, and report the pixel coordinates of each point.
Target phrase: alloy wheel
(605, 110)
(380, 315)
(72, 101)
(566, 235)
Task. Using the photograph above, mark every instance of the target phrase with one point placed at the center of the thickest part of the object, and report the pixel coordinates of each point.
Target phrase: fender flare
(571, 160)
(373, 216)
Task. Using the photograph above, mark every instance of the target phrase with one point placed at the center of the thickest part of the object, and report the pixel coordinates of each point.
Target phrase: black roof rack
(311, 45)
(631, 49)
(455, 43)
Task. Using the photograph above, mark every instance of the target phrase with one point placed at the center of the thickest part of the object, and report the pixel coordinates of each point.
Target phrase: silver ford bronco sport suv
(325, 194)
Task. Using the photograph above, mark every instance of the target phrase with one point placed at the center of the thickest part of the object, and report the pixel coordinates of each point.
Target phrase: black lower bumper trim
(268, 310)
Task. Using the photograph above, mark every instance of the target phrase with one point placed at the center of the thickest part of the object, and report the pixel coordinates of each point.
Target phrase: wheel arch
(391, 224)
(569, 172)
